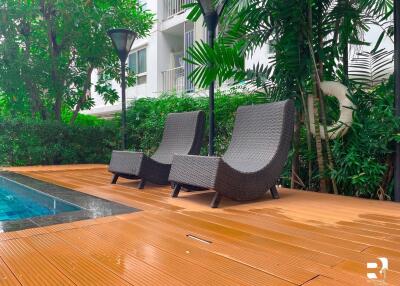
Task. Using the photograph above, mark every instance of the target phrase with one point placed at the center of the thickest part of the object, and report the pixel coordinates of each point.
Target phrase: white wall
(260, 55)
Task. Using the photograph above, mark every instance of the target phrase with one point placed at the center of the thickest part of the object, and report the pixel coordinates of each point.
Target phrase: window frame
(137, 74)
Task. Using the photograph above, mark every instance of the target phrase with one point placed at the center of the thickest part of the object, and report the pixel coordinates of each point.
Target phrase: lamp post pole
(397, 93)
(123, 95)
(211, 140)
(211, 16)
(122, 40)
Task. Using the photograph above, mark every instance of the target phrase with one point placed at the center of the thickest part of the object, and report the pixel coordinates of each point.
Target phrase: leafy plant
(364, 156)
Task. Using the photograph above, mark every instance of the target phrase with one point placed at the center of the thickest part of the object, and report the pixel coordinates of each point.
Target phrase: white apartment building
(158, 58)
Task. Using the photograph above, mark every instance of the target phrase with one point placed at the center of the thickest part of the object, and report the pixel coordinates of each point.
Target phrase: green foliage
(49, 50)
(86, 120)
(220, 63)
(364, 156)
(35, 142)
(146, 117)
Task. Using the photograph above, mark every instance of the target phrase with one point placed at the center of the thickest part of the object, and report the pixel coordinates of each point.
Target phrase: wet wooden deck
(302, 239)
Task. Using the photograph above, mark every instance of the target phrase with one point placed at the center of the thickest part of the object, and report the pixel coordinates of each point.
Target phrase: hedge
(34, 142)
(146, 117)
(25, 142)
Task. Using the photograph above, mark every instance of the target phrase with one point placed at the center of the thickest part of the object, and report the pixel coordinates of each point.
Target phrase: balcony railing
(173, 7)
(174, 80)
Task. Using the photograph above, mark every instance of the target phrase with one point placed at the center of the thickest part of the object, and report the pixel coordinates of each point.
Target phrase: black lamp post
(397, 92)
(211, 16)
(122, 40)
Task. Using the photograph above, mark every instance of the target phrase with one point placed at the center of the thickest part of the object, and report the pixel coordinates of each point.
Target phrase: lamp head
(122, 40)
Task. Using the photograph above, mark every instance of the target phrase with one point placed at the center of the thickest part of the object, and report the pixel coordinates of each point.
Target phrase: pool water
(20, 202)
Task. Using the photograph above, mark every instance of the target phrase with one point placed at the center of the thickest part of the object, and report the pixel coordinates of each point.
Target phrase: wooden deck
(302, 239)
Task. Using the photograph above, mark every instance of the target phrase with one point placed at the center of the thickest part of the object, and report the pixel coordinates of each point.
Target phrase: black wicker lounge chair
(183, 133)
(253, 162)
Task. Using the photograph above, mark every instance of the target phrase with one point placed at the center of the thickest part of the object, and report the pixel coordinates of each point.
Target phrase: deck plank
(190, 250)
(116, 259)
(81, 269)
(29, 266)
(179, 268)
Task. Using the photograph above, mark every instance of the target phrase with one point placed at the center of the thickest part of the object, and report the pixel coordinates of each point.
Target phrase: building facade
(158, 59)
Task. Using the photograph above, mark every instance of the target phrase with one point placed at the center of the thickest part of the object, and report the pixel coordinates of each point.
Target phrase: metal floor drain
(198, 239)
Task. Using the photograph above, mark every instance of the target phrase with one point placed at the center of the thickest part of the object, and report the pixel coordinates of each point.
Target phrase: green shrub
(364, 157)
(25, 141)
(146, 117)
(84, 119)
(35, 142)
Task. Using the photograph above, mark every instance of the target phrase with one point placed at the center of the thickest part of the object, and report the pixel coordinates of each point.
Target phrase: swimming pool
(28, 203)
(20, 202)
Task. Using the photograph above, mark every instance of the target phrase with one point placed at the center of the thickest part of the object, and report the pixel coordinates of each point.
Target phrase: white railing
(174, 80)
(173, 7)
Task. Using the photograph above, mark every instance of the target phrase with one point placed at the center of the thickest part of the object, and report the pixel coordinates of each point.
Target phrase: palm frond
(371, 68)
(221, 63)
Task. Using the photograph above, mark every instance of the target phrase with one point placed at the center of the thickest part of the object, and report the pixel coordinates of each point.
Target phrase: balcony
(174, 7)
(174, 80)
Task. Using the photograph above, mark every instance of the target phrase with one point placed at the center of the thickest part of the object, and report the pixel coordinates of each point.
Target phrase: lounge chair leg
(114, 179)
(141, 184)
(175, 192)
(216, 200)
(274, 192)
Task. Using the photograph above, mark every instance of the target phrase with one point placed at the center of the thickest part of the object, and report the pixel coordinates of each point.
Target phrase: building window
(138, 64)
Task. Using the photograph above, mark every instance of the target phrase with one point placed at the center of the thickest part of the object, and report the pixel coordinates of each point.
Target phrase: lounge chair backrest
(183, 133)
(262, 134)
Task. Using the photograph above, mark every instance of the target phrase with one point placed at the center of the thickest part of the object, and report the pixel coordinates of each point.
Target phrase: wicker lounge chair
(183, 133)
(253, 162)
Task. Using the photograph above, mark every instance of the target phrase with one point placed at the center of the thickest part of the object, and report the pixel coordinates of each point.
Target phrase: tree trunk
(295, 159)
(319, 98)
(345, 5)
(48, 12)
(325, 129)
(318, 142)
(33, 92)
(37, 106)
(320, 65)
(346, 62)
(387, 178)
(85, 95)
(309, 136)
